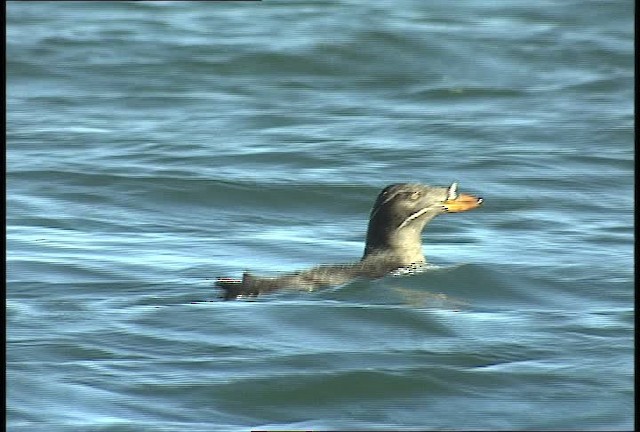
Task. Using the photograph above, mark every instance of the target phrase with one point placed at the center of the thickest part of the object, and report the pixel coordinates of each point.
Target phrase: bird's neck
(403, 245)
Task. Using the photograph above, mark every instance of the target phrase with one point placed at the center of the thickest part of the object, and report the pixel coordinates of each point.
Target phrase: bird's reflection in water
(425, 299)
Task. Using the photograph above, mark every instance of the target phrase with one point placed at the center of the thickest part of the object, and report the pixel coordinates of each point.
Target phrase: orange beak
(463, 202)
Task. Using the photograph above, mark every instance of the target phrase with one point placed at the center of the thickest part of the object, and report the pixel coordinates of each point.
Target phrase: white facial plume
(452, 192)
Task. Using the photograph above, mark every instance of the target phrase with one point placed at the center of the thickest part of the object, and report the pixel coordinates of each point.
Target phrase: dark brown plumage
(394, 241)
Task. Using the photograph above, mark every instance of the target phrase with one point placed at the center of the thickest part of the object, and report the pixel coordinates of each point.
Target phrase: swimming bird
(394, 241)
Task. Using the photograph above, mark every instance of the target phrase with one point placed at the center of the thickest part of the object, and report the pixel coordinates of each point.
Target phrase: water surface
(152, 146)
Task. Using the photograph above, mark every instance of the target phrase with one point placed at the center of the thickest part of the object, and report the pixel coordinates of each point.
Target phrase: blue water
(153, 146)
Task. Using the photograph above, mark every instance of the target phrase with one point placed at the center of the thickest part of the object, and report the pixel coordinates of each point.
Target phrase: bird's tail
(234, 288)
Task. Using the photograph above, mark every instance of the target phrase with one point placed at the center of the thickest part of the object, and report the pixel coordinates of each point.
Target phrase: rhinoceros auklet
(394, 242)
